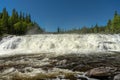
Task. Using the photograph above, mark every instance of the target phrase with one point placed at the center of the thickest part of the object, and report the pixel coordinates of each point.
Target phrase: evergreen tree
(108, 27)
(14, 17)
(20, 16)
(0, 15)
(16, 23)
(20, 28)
(4, 21)
(116, 23)
(28, 18)
(84, 30)
(96, 28)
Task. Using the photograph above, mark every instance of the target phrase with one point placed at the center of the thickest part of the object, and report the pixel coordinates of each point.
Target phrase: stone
(101, 72)
(8, 71)
(117, 77)
(28, 69)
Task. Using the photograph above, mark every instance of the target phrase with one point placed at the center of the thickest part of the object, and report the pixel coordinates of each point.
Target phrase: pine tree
(4, 21)
(12, 21)
(116, 23)
(84, 30)
(14, 17)
(108, 27)
(28, 18)
(16, 23)
(0, 15)
(96, 28)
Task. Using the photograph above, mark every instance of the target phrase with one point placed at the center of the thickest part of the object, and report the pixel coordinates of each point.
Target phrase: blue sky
(66, 14)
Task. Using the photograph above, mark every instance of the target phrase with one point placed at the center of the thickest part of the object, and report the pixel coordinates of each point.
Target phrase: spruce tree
(116, 23)
(4, 21)
(96, 28)
(108, 27)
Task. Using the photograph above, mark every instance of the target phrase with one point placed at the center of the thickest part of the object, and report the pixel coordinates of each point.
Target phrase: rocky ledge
(64, 67)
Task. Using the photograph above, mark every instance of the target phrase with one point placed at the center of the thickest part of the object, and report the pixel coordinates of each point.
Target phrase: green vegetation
(17, 23)
(112, 27)
(20, 24)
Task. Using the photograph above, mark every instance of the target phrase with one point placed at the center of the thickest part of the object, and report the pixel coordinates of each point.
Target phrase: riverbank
(69, 67)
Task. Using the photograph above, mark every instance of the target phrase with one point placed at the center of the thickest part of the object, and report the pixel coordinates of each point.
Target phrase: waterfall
(59, 43)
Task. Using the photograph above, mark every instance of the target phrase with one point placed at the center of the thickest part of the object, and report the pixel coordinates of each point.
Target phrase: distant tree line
(112, 27)
(17, 23)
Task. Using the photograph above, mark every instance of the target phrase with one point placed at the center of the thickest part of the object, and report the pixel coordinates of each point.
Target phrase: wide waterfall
(59, 44)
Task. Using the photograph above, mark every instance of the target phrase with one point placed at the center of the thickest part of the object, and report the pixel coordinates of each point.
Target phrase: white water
(59, 44)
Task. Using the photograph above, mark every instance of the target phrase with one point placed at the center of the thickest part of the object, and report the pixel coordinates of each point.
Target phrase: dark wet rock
(87, 62)
(100, 66)
(117, 77)
(102, 72)
(28, 69)
(82, 67)
(82, 78)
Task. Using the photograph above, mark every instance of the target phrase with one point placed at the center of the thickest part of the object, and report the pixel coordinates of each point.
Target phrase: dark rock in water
(82, 78)
(102, 72)
(117, 77)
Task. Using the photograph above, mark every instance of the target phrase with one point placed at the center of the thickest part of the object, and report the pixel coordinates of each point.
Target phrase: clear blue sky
(66, 14)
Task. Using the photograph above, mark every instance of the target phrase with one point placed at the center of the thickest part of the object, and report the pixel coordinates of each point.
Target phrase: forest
(20, 23)
(16, 23)
(112, 27)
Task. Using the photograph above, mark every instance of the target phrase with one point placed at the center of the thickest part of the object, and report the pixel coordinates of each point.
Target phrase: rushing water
(59, 43)
(46, 46)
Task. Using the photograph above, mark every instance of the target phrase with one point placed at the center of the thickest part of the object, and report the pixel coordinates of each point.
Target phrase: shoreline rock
(95, 67)
(102, 72)
(117, 77)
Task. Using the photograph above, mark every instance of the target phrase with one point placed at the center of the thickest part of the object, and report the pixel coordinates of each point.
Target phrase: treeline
(17, 23)
(112, 27)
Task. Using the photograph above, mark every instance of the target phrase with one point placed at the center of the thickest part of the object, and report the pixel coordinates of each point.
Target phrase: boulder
(101, 72)
(117, 77)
